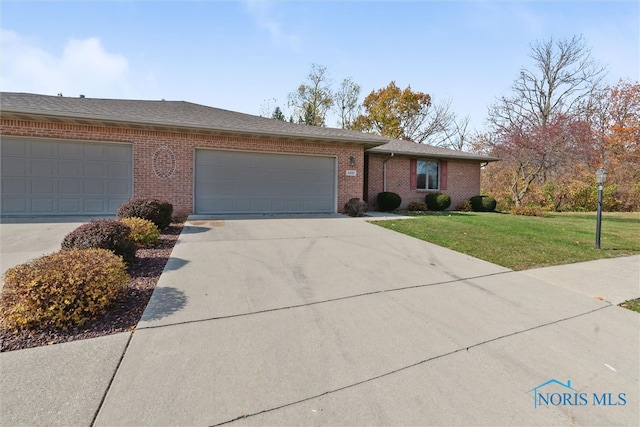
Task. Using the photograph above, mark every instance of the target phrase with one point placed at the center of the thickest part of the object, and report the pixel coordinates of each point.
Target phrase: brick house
(414, 170)
(82, 156)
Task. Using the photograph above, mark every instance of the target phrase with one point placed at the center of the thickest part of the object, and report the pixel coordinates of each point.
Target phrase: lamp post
(601, 178)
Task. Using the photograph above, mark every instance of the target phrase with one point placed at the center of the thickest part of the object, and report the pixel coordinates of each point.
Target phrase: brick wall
(163, 160)
(463, 180)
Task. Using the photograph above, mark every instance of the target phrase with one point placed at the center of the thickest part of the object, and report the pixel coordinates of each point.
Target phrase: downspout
(384, 172)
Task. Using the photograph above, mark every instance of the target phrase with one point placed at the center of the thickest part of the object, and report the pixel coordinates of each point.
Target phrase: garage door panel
(43, 206)
(69, 168)
(14, 206)
(43, 149)
(69, 186)
(15, 186)
(118, 153)
(95, 187)
(119, 170)
(43, 186)
(242, 182)
(56, 177)
(95, 152)
(94, 205)
(119, 188)
(12, 166)
(43, 167)
(14, 148)
(95, 170)
(69, 206)
(69, 150)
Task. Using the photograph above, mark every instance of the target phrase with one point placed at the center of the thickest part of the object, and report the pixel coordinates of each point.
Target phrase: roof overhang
(97, 120)
(461, 156)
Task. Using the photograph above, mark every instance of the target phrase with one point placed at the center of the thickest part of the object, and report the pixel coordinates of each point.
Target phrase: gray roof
(409, 148)
(179, 115)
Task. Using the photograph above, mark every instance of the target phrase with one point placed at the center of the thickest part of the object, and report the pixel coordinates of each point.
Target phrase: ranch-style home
(84, 156)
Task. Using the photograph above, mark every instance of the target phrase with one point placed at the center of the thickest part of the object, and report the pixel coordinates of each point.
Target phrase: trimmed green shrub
(355, 207)
(483, 204)
(388, 201)
(103, 234)
(143, 231)
(489, 204)
(157, 211)
(476, 203)
(60, 290)
(437, 201)
(417, 207)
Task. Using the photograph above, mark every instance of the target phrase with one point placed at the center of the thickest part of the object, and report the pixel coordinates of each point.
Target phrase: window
(427, 175)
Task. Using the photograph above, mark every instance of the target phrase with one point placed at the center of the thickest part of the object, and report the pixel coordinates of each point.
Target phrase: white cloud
(83, 67)
(260, 11)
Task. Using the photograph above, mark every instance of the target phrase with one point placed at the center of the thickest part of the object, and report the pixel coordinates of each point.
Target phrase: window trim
(426, 183)
(442, 173)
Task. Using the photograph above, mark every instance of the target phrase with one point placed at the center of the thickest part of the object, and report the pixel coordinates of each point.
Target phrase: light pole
(601, 178)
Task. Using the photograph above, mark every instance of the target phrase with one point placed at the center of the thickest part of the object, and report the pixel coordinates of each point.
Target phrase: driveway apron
(336, 321)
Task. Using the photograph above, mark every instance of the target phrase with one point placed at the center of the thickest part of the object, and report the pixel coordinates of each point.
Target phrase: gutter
(367, 142)
(384, 171)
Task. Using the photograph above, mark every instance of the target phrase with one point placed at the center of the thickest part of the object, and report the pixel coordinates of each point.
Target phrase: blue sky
(248, 56)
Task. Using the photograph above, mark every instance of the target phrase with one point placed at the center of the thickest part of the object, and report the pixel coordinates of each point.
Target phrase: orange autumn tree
(615, 117)
(405, 114)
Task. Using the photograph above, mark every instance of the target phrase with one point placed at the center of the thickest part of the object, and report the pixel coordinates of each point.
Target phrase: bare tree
(564, 75)
(457, 134)
(314, 98)
(346, 103)
(538, 126)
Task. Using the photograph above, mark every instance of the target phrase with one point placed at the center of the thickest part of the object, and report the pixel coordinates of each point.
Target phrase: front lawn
(522, 242)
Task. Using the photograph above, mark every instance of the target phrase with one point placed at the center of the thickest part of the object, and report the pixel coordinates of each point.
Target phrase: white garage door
(54, 177)
(240, 182)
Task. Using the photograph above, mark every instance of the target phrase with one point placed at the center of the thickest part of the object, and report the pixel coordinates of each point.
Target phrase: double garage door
(242, 182)
(55, 177)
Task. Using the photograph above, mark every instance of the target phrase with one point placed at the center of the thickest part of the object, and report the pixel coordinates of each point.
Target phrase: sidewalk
(331, 321)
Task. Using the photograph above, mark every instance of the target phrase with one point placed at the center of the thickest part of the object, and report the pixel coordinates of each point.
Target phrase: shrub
(476, 203)
(157, 211)
(355, 207)
(388, 201)
(103, 234)
(483, 204)
(143, 231)
(63, 289)
(437, 201)
(530, 211)
(489, 204)
(464, 206)
(417, 207)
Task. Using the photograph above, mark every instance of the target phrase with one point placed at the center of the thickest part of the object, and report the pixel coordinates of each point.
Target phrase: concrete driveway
(340, 322)
(23, 239)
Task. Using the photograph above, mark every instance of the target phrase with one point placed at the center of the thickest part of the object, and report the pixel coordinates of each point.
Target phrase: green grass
(523, 242)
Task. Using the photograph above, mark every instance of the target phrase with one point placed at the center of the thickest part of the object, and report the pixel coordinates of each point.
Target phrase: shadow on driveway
(165, 301)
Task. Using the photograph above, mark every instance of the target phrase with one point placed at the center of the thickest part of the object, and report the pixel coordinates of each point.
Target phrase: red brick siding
(178, 188)
(463, 180)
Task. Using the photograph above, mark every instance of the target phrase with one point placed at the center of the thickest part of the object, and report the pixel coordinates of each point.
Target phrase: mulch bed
(124, 315)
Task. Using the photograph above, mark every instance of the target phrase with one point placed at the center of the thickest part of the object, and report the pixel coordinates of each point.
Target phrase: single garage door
(56, 177)
(241, 182)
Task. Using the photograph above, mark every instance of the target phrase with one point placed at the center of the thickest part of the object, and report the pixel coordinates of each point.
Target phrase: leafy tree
(346, 102)
(404, 114)
(614, 114)
(278, 114)
(314, 98)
